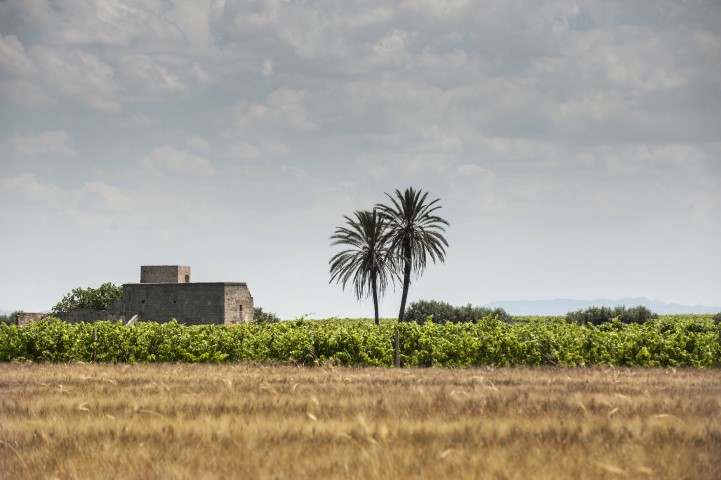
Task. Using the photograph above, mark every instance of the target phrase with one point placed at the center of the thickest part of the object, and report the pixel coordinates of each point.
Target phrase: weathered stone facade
(189, 303)
(113, 313)
(165, 292)
(24, 318)
(165, 274)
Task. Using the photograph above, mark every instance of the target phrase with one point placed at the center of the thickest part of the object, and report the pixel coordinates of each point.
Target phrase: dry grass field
(240, 421)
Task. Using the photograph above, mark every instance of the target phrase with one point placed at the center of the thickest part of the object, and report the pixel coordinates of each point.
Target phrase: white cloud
(257, 128)
(107, 198)
(411, 166)
(474, 187)
(102, 207)
(284, 108)
(139, 120)
(26, 14)
(198, 144)
(674, 161)
(395, 114)
(27, 188)
(169, 159)
(114, 23)
(52, 143)
(267, 186)
(443, 10)
(321, 31)
(64, 67)
(17, 74)
(391, 49)
(260, 149)
(13, 59)
(708, 48)
(267, 69)
(77, 77)
(201, 76)
(246, 150)
(538, 118)
(536, 151)
(626, 58)
(192, 19)
(93, 206)
(145, 78)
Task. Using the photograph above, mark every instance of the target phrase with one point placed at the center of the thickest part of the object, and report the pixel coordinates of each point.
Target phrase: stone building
(164, 274)
(24, 318)
(166, 292)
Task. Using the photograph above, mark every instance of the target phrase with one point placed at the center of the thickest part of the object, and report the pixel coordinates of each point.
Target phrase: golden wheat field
(240, 421)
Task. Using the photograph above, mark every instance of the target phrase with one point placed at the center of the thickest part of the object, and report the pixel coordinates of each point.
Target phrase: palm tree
(416, 233)
(368, 262)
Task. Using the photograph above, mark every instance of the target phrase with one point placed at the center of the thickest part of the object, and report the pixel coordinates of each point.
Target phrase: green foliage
(89, 298)
(717, 318)
(416, 234)
(366, 262)
(442, 312)
(600, 315)
(11, 319)
(259, 316)
(669, 341)
(387, 244)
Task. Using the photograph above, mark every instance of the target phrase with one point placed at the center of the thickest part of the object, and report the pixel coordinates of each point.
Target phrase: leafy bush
(638, 314)
(11, 319)
(600, 315)
(442, 312)
(591, 316)
(717, 318)
(259, 316)
(670, 341)
(90, 298)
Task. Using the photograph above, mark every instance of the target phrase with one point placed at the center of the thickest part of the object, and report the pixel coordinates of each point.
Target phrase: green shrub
(90, 298)
(600, 315)
(638, 314)
(442, 312)
(672, 341)
(11, 319)
(259, 316)
(717, 318)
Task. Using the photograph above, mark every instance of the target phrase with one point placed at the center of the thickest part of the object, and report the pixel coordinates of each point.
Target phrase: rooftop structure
(165, 292)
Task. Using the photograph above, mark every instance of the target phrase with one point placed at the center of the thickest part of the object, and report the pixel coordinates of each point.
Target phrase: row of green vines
(668, 341)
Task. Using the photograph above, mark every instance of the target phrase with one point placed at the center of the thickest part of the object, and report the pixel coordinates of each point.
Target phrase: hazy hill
(560, 306)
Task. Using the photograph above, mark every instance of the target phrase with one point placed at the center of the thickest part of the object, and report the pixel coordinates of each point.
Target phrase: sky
(575, 146)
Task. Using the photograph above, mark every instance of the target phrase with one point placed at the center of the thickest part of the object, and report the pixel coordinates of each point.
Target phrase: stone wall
(164, 274)
(238, 304)
(164, 293)
(24, 318)
(188, 303)
(84, 315)
(113, 313)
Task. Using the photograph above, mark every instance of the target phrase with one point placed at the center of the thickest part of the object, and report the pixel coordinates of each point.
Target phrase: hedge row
(669, 341)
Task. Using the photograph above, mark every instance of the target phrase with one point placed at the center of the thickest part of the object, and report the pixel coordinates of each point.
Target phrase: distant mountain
(5, 312)
(560, 306)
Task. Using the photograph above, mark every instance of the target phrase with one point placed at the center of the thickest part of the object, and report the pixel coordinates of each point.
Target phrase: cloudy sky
(575, 144)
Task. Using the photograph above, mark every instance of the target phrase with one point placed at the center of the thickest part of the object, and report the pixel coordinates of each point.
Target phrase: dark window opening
(187, 279)
(142, 301)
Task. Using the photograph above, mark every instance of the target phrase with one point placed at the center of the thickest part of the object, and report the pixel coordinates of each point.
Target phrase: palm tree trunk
(406, 278)
(375, 297)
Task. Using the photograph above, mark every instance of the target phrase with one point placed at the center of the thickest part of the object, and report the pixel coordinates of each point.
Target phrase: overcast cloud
(575, 145)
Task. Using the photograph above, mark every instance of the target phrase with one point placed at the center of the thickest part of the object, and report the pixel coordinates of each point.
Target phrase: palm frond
(412, 222)
(367, 257)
